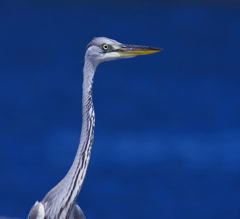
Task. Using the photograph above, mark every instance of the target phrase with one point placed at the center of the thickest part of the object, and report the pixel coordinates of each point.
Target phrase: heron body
(60, 201)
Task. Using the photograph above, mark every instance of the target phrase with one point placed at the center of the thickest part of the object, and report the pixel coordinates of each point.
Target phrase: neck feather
(64, 194)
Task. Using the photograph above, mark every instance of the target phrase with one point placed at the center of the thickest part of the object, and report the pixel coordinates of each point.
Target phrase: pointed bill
(133, 50)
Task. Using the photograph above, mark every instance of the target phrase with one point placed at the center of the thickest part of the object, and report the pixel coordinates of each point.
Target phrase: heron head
(103, 49)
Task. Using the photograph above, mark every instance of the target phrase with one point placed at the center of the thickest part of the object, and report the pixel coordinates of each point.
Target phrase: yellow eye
(105, 47)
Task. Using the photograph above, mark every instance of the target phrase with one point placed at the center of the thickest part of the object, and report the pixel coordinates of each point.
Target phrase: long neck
(64, 194)
(79, 167)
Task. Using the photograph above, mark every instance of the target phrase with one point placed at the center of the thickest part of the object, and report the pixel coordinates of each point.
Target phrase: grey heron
(60, 201)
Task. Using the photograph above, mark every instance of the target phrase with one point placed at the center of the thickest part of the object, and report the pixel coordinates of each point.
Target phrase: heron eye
(105, 47)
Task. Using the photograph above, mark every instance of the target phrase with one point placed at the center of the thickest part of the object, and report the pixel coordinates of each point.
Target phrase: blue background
(167, 142)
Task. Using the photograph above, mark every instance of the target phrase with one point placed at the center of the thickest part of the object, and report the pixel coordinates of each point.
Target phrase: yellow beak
(133, 50)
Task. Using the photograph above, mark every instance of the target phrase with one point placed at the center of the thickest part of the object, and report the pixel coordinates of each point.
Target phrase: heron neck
(88, 123)
(79, 167)
(65, 193)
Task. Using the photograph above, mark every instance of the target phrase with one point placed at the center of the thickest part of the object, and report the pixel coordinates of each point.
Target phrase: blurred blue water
(167, 133)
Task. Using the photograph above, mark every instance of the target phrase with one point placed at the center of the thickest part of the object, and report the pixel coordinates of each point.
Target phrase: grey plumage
(60, 201)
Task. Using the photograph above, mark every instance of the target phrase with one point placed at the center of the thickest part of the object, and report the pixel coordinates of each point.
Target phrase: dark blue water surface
(167, 141)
